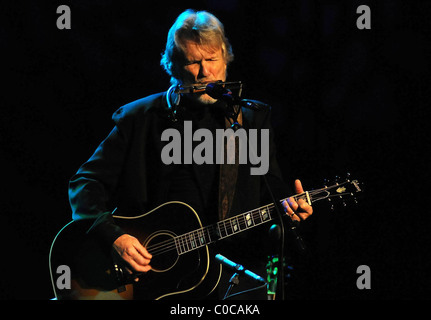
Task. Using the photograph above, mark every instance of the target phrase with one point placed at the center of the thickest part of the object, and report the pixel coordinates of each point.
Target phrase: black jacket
(126, 171)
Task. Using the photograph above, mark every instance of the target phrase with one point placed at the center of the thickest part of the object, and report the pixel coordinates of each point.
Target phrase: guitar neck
(226, 228)
(229, 227)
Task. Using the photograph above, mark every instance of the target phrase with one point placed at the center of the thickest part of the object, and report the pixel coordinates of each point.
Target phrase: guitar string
(191, 241)
(184, 245)
(185, 241)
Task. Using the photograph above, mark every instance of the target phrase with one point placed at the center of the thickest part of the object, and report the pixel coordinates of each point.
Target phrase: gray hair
(201, 27)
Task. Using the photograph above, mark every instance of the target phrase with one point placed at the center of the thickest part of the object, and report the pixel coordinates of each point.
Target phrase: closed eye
(189, 63)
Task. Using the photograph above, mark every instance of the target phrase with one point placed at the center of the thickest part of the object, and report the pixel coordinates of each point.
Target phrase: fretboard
(229, 227)
(226, 228)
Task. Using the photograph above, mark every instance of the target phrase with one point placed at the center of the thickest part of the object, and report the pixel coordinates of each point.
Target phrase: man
(126, 171)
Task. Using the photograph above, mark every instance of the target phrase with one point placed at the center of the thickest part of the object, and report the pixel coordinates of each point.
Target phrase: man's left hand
(297, 210)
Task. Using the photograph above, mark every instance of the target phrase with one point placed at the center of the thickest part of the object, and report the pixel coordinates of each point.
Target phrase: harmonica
(200, 87)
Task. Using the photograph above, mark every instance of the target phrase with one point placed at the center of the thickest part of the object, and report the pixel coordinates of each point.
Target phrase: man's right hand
(133, 252)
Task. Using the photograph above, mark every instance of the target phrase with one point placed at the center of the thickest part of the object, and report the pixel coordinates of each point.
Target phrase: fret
(238, 223)
(209, 235)
(257, 217)
(219, 231)
(186, 243)
(225, 229)
(192, 240)
(229, 227)
(182, 245)
(184, 239)
(234, 225)
(177, 245)
(242, 223)
(201, 237)
(178, 240)
(223, 233)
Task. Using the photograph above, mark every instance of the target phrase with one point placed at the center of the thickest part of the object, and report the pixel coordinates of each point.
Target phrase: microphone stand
(234, 280)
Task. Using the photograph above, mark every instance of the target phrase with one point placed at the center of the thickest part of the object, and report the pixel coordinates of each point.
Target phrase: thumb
(298, 186)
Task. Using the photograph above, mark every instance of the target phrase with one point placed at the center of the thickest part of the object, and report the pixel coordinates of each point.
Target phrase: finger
(287, 208)
(305, 210)
(293, 204)
(302, 205)
(289, 211)
(139, 267)
(142, 250)
(138, 253)
(303, 215)
(301, 209)
(298, 186)
(136, 261)
(139, 258)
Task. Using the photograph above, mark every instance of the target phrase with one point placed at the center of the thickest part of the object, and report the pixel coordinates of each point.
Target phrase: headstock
(340, 190)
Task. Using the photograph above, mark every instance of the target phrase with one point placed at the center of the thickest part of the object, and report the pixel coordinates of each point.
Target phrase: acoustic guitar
(177, 240)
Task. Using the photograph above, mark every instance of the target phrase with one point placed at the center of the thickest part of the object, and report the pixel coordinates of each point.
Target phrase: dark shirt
(183, 184)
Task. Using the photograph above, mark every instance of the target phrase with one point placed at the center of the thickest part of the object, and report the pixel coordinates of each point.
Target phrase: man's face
(203, 64)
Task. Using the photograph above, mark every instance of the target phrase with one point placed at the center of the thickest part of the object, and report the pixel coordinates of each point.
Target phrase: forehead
(195, 51)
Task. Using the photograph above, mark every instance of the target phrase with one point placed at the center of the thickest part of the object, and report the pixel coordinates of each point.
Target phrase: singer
(126, 172)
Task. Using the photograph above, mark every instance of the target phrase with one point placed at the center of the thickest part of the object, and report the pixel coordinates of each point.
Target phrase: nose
(203, 70)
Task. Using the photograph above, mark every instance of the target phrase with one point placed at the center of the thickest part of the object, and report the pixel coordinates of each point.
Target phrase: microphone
(239, 268)
(216, 90)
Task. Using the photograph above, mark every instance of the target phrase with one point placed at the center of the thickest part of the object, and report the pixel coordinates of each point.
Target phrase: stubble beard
(205, 99)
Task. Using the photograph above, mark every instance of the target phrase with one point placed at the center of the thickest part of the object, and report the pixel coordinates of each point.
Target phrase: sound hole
(162, 247)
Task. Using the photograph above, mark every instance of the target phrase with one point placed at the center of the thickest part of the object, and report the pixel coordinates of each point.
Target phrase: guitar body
(98, 273)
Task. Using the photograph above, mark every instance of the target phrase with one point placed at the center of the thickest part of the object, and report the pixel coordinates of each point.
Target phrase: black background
(344, 100)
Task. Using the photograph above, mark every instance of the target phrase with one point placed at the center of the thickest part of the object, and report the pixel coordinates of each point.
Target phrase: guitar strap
(228, 172)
